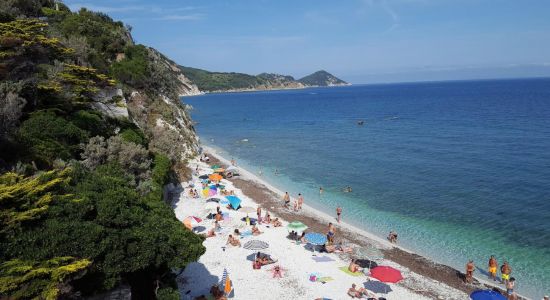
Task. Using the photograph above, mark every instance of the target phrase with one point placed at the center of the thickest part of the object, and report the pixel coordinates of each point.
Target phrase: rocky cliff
(158, 111)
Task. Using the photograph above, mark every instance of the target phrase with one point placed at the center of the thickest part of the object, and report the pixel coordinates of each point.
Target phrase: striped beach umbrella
(227, 286)
(256, 245)
(296, 226)
(315, 238)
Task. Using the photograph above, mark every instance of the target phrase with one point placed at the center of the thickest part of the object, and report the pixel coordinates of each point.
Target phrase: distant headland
(210, 82)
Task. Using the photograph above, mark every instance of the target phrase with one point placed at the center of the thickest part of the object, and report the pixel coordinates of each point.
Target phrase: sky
(360, 41)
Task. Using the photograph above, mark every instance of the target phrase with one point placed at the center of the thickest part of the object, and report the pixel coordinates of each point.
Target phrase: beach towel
(345, 270)
(325, 279)
(322, 258)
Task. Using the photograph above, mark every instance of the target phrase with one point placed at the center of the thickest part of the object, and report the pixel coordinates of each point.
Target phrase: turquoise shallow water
(460, 169)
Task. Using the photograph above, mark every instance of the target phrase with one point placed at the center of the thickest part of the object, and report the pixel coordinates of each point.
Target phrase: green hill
(223, 81)
(322, 78)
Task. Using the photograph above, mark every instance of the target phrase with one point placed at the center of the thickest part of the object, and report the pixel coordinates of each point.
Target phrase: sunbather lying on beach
(340, 248)
(233, 241)
(277, 223)
(355, 292)
(211, 233)
(353, 267)
(255, 230)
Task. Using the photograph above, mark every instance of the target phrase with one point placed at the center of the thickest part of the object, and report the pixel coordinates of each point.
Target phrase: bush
(168, 294)
(133, 69)
(133, 136)
(132, 158)
(48, 136)
(90, 121)
(126, 236)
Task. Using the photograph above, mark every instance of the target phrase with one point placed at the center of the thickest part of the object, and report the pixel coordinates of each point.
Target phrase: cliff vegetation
(91, 131)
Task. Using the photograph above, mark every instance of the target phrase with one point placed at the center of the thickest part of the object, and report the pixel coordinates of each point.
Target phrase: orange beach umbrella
(215, 177)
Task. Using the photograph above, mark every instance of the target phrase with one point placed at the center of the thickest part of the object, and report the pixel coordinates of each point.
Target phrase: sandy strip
(424, 279)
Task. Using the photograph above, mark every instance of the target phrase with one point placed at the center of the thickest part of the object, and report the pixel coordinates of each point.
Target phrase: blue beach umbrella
(234, 201)
(486, 295)
(315, 238)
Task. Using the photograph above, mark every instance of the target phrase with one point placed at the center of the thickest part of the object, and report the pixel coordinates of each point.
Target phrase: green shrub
(133, 69)
(90, 121)
(133, 136)
(48, 136)
(168, 294)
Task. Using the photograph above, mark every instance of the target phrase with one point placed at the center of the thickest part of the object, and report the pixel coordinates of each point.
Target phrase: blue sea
(461, 170)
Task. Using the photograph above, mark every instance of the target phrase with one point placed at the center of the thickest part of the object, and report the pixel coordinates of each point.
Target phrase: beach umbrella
(377, 286)
(296, 226)
(213, 187)
(386, 274)
(215, 167)
(234, 201)
(203, 176)
(215, 177)
(247, 209)
(486, 295)
(315, 238)
(212, 192)
(226, 282)
(212, 199)
(256, 245)
(191, 222)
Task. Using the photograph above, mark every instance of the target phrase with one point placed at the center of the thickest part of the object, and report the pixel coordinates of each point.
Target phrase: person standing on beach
(470, 268)
(330, 233)
(338, 213)
(510, 289)
(493, 268)
(259, 213)
(286, 199)
(320, 191)
(233, 162)
(300, 201)
(506, 270)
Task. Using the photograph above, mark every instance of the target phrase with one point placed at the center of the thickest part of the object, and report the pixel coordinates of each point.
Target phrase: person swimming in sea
(347, 189)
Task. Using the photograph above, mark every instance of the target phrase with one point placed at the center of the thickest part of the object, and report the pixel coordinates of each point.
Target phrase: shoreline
(251, 90)
(267, 195)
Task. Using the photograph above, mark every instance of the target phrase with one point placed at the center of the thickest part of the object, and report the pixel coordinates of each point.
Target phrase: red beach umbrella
(386, 274)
